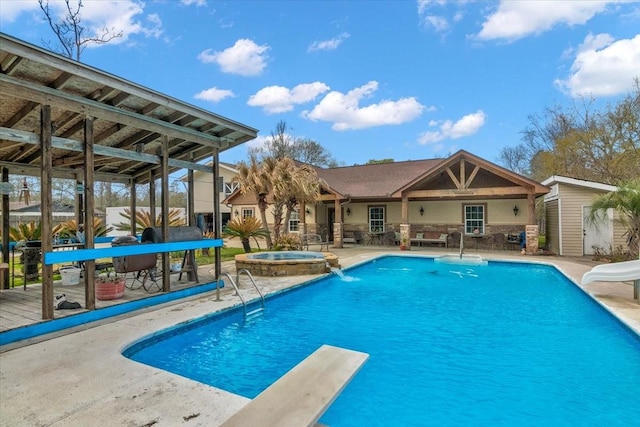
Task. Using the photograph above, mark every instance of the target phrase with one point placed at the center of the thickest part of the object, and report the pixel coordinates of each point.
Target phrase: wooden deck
(19, 307)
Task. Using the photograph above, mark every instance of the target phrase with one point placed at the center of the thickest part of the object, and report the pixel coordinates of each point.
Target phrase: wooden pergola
(63, 119)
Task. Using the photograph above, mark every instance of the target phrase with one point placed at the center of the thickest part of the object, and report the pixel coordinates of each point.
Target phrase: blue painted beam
(61, 257)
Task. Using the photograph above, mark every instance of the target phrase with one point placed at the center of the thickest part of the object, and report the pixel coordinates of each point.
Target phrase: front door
(597, 236)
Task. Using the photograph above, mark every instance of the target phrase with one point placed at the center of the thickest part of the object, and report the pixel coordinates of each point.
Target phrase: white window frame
(230, 187)
(247, 213)
(376, 224)
(475, 216)
(294, 222)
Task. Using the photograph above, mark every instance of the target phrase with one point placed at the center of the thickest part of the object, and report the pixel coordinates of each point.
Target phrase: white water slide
(616, 272)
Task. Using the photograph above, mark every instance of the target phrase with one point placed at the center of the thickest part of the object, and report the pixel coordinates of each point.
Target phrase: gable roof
(502, 177)
(423, 178)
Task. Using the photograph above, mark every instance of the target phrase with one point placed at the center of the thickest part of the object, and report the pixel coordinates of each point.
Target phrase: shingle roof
(375, 180)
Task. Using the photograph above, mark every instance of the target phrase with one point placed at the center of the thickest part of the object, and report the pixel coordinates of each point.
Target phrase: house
(567, 206)
(203, 200)
(459, 195)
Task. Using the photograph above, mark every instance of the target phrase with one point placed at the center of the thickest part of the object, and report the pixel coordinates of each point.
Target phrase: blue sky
(365, 79)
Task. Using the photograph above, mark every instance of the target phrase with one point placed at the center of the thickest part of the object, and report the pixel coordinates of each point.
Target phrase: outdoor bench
(430, 237)
(313, 239)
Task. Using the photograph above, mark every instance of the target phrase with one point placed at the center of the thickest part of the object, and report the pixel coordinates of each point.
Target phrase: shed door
(597, 236)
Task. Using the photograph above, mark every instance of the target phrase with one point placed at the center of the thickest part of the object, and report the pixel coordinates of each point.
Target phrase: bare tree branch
(70, 31)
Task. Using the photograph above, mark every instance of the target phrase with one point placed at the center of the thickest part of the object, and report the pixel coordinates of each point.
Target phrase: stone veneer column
(532, 233)
(404, 233)
(337, 234)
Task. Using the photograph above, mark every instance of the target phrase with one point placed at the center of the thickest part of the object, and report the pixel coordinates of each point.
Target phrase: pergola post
(217, 227)
(46, 200)
(89, 209)
(164, 200)
(5, 228)
(152, 197)
(132, 207)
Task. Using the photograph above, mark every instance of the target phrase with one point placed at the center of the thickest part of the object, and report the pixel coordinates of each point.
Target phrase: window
(247, 213)
(376, 218)
(230, 187)
(474, 219)
(294, 220)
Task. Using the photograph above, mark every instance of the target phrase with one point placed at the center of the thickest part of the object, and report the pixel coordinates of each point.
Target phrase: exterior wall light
(515, 210)
(348, 212)
(421, 211)
(308, 211)
(236, 212)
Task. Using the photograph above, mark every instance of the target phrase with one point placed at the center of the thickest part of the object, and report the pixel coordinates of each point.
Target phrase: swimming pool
(501, 344)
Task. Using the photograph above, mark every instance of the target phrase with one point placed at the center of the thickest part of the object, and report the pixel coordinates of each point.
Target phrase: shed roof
(555, 179)
(129, 119)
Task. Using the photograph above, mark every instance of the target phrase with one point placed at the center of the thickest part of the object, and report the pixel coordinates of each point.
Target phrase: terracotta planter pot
(404, 247)
(110, 290)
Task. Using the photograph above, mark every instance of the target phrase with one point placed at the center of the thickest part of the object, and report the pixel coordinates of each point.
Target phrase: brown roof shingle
(374, 180)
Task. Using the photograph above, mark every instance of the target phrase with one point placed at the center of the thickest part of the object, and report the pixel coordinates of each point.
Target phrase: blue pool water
(501, 344)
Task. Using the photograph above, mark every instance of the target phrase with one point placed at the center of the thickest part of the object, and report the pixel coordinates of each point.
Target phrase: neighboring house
(203, 195)
(567, 206)
(460, 195)
(19, 212)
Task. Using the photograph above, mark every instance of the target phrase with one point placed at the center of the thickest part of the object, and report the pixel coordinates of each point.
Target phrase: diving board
(616, 272)
(302, 395)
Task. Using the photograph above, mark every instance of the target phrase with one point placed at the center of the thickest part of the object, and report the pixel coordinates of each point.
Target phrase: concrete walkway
(81, 379)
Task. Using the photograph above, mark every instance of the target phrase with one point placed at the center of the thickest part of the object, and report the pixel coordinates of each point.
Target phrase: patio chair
(388, 238)
(455, 239)
(498, 241)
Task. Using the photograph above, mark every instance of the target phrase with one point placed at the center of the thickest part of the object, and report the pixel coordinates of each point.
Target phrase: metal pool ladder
(246, 313)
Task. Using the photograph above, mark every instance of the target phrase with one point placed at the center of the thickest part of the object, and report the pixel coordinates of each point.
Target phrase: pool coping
(82, 377)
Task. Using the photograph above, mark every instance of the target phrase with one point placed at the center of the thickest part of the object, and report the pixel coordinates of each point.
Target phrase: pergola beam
(100, 150)
(58, 99)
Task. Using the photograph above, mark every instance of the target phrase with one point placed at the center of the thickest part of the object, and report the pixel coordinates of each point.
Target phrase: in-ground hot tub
(286, 263)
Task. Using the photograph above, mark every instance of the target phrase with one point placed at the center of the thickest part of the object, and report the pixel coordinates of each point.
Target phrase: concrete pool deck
(82, 379)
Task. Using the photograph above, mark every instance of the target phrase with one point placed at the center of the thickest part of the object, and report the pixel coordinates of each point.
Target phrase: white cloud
(279, 99)
(468, 125)
(214, 94)
(196, 2)
(603, 67)
(244, 58)
(12, 9)
(331, 44)
(345, 112)
(516, 19)
(437, 21)
(95, 17)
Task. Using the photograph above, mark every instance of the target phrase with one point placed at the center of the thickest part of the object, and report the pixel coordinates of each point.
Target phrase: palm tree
(625, 200)
(255, 178)
(294, 185)
(68, 229)
(245, 228)
(143, 219)
(26, 231)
